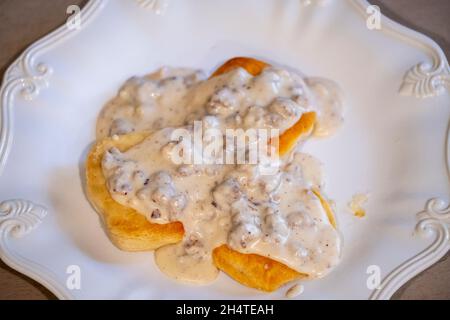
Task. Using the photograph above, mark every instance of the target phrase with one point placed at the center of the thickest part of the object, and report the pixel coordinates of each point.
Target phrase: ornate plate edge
(17, 219)
(27, 77)
(424, 80)
(433, 221)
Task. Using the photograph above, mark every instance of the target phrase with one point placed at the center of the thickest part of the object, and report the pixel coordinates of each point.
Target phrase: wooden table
(25, 21)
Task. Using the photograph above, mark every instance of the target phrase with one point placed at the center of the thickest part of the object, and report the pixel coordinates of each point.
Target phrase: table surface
(25, 21)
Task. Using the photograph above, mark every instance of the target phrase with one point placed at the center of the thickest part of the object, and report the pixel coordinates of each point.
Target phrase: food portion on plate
(264, 228)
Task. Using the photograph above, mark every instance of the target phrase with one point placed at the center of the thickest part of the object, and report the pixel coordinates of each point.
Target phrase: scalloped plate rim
(91, 9)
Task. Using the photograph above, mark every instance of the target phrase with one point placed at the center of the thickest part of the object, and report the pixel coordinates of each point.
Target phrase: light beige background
(25, 21)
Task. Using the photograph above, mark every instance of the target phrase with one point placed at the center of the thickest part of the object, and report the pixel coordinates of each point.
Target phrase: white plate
(392, 145)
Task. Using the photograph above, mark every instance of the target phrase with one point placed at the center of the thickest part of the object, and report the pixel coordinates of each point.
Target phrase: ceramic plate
(393, 145)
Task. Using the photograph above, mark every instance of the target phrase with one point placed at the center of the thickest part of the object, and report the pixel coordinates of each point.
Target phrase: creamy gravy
(152, 102)
(294, 291)
(277, 215)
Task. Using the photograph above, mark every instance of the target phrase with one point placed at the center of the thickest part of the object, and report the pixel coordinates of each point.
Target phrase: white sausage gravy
(276, 216)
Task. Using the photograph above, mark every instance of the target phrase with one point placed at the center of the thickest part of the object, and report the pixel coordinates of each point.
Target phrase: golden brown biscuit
(259, 272)
(252, 66)
(131, 231)
(303, 127)
(326, 205)
(127, 229)
(253, 270)
(250, 269)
